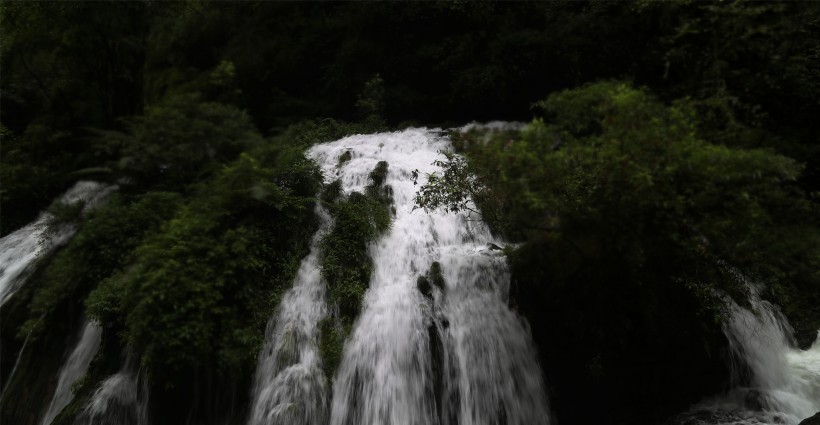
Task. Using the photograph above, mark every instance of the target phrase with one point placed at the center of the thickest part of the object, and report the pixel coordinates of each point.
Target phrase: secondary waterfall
(74, 368)
(784, 382)
(121, 399)
(483, 368)
(290, 386)
(20, 248)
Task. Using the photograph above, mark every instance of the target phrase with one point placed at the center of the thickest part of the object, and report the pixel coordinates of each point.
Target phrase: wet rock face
(814, 420)
(805, 338)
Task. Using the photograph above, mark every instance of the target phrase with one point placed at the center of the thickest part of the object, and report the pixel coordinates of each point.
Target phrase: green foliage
(180, 141)
(632, 226)
(309, 132)
(432, 278)
(742, 62)
(344, 158)
(100, 248)
(332, 192)
(379, 174)
(31, 184)
(346, 265)
(331, 344)
(453, 189)
(66, 67)
(616, 172)
(63, 214)
(186, 302)
(371, 100)
(610, 178)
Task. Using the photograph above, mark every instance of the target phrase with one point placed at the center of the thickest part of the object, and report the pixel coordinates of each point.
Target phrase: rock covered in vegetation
(346, 264)
(628, 231)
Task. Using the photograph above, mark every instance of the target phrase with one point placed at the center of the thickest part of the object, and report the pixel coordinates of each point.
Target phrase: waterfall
(463, 357)
(783, 382)
(787, 378)
(494, 373)
(16, 363)
(289, 384)
(74, 368)
(20, 248)
(121, 399)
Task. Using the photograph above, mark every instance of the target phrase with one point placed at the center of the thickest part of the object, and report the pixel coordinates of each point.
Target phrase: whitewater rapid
(773, 381)
(289, 384)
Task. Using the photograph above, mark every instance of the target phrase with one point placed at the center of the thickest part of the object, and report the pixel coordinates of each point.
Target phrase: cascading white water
(121, 399)
(784, 386)
(387, 371)
(20, 248)
(290, 385)
(494, 376)
(74, 368)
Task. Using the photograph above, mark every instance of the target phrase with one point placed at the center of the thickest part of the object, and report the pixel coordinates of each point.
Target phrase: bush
(198, 294)
(179, 141)
(632, 225)
(100, 248)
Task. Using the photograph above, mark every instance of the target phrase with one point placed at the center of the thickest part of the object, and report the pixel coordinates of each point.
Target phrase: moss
(343, 158)
(107, 362)
(433, 277)
(379, 174)
(288, 352)
(331, 192)
(424, 286)
(331, 345)
(346, 265)
(64, 213)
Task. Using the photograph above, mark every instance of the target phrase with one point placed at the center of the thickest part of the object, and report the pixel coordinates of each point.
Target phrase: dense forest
(667, 178)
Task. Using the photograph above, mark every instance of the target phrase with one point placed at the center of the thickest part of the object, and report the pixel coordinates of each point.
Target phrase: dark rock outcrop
(805, 338)
(814, 420)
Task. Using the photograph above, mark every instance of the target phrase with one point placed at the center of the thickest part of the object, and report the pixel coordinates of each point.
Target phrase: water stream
(456, 355)
(392, 372)
(74, 368)
(19, 249)
(121, 399)
(289, 385)
(774, 382)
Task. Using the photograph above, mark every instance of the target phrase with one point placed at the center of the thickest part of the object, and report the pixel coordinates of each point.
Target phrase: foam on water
(783, 382)
(289, 385)
(387, 371)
